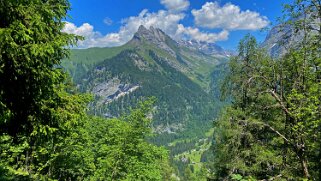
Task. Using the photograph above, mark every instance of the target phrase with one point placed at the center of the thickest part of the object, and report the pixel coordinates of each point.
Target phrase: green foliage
(113, 149)
(272, 128)
(45, 132)
(241, 178)
(35, 109)
(29, 78)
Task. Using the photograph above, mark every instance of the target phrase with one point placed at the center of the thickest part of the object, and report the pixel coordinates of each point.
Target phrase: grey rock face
(278, 39)
(154, 35)
(168, 128)
(284, 36)
(106, 88)
(112, 90)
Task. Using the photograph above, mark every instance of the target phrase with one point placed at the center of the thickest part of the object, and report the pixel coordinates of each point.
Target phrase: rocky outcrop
(140, 63)
(168, 128)
(112, 90)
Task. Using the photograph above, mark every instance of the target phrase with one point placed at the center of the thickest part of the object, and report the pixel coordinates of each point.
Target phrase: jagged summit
(142, 30)
(152, 34)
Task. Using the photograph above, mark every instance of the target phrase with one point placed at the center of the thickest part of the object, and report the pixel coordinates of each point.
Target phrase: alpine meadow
(168, 90)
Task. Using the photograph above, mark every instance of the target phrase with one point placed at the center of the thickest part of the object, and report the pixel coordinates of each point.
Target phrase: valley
(180, 75)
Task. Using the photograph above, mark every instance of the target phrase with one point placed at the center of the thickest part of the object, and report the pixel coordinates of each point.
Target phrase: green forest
(265, 110)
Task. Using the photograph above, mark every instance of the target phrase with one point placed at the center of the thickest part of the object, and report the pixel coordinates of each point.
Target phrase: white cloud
(165, 20)
(108, 21)
(92, 38)
(196, 34)
(84, 30)
(229, 17)
(176, 5)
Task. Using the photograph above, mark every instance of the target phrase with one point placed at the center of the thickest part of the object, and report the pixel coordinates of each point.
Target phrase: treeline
(45, 132)
(272, 130)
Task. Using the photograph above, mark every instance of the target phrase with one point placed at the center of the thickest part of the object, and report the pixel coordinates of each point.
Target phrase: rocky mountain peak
(142, 30)
(152, 34)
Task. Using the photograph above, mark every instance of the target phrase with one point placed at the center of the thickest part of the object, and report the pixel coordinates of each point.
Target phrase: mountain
(153, 64)
(283, 36)
(278, 38)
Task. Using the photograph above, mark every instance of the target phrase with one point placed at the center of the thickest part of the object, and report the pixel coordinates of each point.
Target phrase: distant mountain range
(206, 48)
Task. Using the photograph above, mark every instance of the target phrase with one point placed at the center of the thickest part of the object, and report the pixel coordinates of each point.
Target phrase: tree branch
(284, 108)
(277, 132)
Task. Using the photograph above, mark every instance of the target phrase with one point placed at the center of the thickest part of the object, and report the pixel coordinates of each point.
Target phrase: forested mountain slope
(151, 64)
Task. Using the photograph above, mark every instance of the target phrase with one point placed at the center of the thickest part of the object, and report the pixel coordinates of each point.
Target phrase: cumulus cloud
(165, 20)
(229, 17)
(176, 5)
(92, 38)
(85, 29)
(196, 34)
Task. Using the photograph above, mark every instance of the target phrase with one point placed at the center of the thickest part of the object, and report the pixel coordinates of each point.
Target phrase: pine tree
(36, 111)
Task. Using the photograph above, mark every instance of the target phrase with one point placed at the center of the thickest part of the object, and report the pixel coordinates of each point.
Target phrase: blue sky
(113, 22)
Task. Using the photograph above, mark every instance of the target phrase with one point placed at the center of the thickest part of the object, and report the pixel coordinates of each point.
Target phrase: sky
(108, 23)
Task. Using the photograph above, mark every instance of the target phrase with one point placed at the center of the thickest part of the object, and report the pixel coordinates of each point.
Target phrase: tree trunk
(303, 160)
(305, 168)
